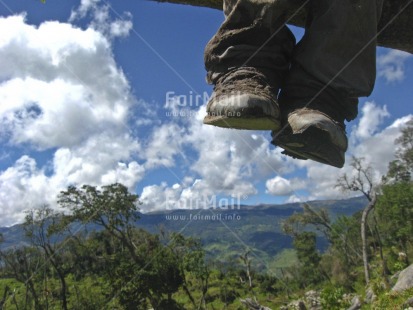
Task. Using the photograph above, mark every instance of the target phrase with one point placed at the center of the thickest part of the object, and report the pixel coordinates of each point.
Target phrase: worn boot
(332, 66)
(311, 134)
(246, 62)
(312, 120)
(244, 98)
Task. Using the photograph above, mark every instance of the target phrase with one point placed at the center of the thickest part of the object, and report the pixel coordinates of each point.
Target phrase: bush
(332, 298)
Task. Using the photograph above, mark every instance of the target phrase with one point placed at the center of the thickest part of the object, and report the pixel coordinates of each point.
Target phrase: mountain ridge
(225, 233)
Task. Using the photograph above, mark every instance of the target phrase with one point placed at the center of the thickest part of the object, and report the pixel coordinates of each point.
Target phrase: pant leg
(337, 54)
(252, 35)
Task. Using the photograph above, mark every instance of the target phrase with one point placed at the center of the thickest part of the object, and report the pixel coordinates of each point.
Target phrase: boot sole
(243, 111)
(314, 144)
(243, 122)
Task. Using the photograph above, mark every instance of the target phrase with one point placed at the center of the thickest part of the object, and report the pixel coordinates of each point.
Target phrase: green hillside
(227, 233)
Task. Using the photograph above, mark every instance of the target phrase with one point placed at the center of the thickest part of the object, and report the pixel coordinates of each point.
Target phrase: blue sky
(97, 92)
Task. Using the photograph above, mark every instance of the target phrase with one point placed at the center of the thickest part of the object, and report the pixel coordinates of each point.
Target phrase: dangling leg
(246, 61)
(333, 65)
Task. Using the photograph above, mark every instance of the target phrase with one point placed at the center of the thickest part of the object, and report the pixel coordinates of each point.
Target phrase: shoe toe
(318, 139)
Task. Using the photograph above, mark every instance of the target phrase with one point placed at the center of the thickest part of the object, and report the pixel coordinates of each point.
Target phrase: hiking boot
(311, 134)
(244, 98)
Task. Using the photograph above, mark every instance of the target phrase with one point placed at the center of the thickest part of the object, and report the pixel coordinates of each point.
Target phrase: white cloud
(295, 199)
(163, 146)
(378, 150)
(279, 186)
(372, 117)
(22, 187)
(101, 19)
(121, 28)
(190, 195)
(61, 84)
(178, 196)
(230, 161)
(159, 197)
(84, 7)
(227, 162)
(322, 180)
(61, 91)
(391, 65)
(102, 159)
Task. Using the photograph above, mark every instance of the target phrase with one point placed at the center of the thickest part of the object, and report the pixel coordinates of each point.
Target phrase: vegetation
(119, 266)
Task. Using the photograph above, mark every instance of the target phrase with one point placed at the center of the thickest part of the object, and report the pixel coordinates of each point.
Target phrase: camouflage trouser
(333, 64)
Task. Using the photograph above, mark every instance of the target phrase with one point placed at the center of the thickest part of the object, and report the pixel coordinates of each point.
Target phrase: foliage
(401, 169)
(332, 298)
(309, 258)
(319, 220)
(112, 207)
(394, 210)
(391, 300)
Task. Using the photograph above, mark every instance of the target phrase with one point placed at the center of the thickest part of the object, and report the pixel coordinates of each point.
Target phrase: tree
(113, 208)
(395, 214)
(194, 263)
(4, 298)
(140, 268)
(305, 241)
(23, 263)
(405, 153)
(319, 220)
(394, 205)
(152, 276)
(345, 237)
(362, 181)
(39, 226)
(401, 169)
(190, 257)
(246, 260)
(309, 258)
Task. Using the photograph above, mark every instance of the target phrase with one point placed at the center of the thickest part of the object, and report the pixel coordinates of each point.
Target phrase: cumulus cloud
(101, 20)
(279, 186)
(223, 162)
(63, 93)
(186, 195)
(230, 160)
(379, 149)
(190, 194)
(391, 65)
(102, 159)
(160, 197)
(163, 146)
(61, 84)
(22, 187)
(295, 199)
(372, 117)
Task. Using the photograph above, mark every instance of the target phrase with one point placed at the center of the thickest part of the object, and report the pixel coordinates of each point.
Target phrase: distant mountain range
(227, 233)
